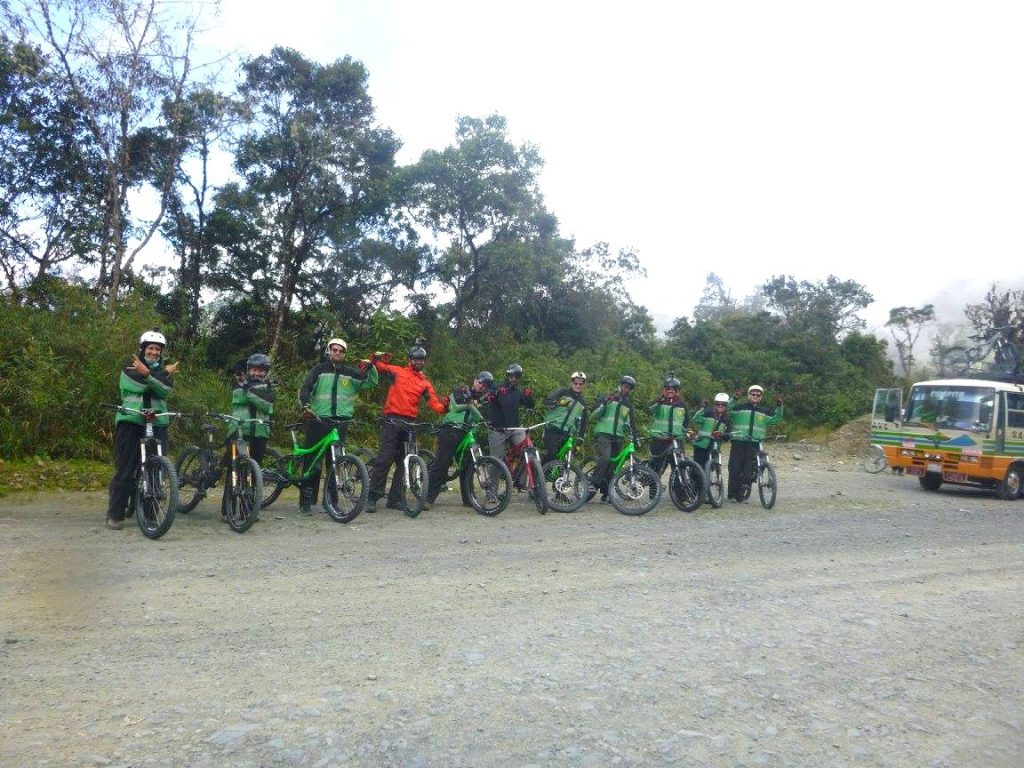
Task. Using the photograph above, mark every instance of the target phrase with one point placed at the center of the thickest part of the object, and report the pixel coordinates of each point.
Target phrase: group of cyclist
(329, 394)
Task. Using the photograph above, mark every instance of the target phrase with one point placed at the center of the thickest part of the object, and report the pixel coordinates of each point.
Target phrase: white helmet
(578, 375)
(152, 337)
(339, 342)
(755, 388)
(721, 397)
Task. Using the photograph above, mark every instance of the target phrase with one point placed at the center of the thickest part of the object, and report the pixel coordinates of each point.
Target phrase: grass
(41, 474)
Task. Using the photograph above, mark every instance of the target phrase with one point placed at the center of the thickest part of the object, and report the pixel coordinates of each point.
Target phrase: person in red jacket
(401, 404)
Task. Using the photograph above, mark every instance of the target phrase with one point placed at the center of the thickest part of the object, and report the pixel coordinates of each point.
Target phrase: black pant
(392, 436)
(742, 459)
(553, 440)
(701, 455)
(448, 440)
(660, 447)
(315, 432)
(126, 464)
(607, 446)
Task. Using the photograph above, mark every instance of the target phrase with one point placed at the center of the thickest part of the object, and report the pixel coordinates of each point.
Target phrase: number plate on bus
(934, 466)
(954, 477)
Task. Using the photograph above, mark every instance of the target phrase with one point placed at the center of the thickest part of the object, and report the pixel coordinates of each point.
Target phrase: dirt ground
(862, 622)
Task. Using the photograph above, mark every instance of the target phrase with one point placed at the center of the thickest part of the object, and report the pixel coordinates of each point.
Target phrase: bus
(967, 432)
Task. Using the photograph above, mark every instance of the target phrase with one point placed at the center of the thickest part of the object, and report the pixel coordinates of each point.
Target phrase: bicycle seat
(209, 428)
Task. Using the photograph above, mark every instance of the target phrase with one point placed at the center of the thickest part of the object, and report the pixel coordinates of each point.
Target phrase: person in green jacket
(330, 391)
(462, 413)
(145, 384)
(750, 422)
(669, 419)
(566, 415)
(710, 423)
(613, 421)
(253, 398)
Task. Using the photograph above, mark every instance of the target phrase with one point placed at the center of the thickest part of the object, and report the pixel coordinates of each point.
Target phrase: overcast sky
(877, 141)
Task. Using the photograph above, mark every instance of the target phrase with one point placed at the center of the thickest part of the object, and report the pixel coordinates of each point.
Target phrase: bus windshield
(950, 407)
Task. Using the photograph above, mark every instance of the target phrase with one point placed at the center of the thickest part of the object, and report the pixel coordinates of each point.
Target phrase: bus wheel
(1009, 488)
(931, 481)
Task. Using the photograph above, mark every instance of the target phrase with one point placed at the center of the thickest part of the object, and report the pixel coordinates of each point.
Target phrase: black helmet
(629, 381)
(258, 360)
(671, 383)
(514, 370)
(485, 377)
(417, 353)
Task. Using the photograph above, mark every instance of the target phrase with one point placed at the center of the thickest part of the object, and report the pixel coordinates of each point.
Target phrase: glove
(445, 401)
(703, 403)
(528, 392)
(564, 402)
(778, 400)
(363, 365)
(306, 413)
(502, 391)
(716, 435)
(737, 394)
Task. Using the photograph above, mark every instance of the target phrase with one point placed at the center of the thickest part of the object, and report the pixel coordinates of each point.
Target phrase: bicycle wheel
(565, 485)
(275, 476)
(416, 486)
(875, 460)
(716, 488)
(767, 486)
(535, 482)
(243, 501)
(346, 489)
(956, 361)
(156, 498)
(489, 486)
(192, 467)
(635, 489)
(687, 485)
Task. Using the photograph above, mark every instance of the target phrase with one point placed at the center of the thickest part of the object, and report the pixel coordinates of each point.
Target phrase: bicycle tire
(346, 489)
(155, 508)
(566, 486)
(243, 504)
(635, 489)
(956, 361)
(535, 482)
(489, 486)
(716, 487)
(365, 455)
(415, 487)
(875, 461)
(275, 476)
(687, 485)
(767, 486)
(192, 465)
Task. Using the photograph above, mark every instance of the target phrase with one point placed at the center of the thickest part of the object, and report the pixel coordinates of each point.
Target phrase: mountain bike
(487, 481)
(346, 482)
(565, 483)
(764, 476)
(415, 480)
(713, 475)
(963, 361)
(155, 496)
(243, 485)
(634, 488)
(875, 460)
(524, 465)
(687, 484)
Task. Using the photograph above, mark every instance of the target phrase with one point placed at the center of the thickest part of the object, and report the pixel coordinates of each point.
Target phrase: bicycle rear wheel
(416, 486)
(875, 460)
(687, 485)
(243, 500)
(346, 488)
(156, 497)
(716, 488)
(566, 486)
(767, 486)
(192, 466)
(274, 470)
(489, 486)
(635, 489)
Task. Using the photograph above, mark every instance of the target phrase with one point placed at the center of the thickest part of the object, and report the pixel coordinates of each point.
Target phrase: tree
(905, 325)
(716, 301)
(997, 310)
(828, 308)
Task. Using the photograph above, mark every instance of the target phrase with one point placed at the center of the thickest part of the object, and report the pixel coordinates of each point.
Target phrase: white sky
(877, 141)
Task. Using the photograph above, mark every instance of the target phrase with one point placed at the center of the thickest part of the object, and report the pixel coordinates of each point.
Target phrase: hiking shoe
(114, 525)
(305, 509)
(371, 506)
(395, 505)
(426, 505)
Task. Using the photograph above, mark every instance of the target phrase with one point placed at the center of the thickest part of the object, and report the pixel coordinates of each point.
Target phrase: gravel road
(862, 622)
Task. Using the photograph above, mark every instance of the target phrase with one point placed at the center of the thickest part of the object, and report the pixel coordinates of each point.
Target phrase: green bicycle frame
(465, 445)
(305, 469)
(619, 459)
(566, 448)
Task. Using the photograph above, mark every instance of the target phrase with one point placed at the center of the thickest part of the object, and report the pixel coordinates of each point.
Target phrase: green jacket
(566, 411)
(750, 422)
(613, 416)
(330, 391)
(705, 421)
(461, 414)
(253, 400)
(143, 392)
(668, 419)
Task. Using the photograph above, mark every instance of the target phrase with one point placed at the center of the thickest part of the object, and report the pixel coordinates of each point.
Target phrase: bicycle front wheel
(244, 498)
(192, 467)
(275, 476)
(635, 489)
(156, 498)
(535, 482)
(346, 488)
(767, 486)
(565, 485)
(489, 486)
(716, 487)
(875, 461)
(687, 485)
(416, 487)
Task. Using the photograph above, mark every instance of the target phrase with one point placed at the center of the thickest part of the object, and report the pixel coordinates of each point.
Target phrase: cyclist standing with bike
(462, 413)
(670, 418)
(712, 423)
(566, 415)
(403, 403)
(253, 398)
(328, 399)
(145, 385)
(503, 406)
(613, 420)
(750, 422)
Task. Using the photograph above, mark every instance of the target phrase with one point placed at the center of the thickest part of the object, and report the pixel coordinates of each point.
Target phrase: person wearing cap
(613, 421)
(669, 420)
(710, 423)
(402, 404)
(328, 399)
(502, 410)
(566, 415)
(145, 384)
(462, 414)
(750, 422)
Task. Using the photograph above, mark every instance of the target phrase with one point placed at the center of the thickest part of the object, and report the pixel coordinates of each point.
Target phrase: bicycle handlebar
(513, 429)
(147, 412)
